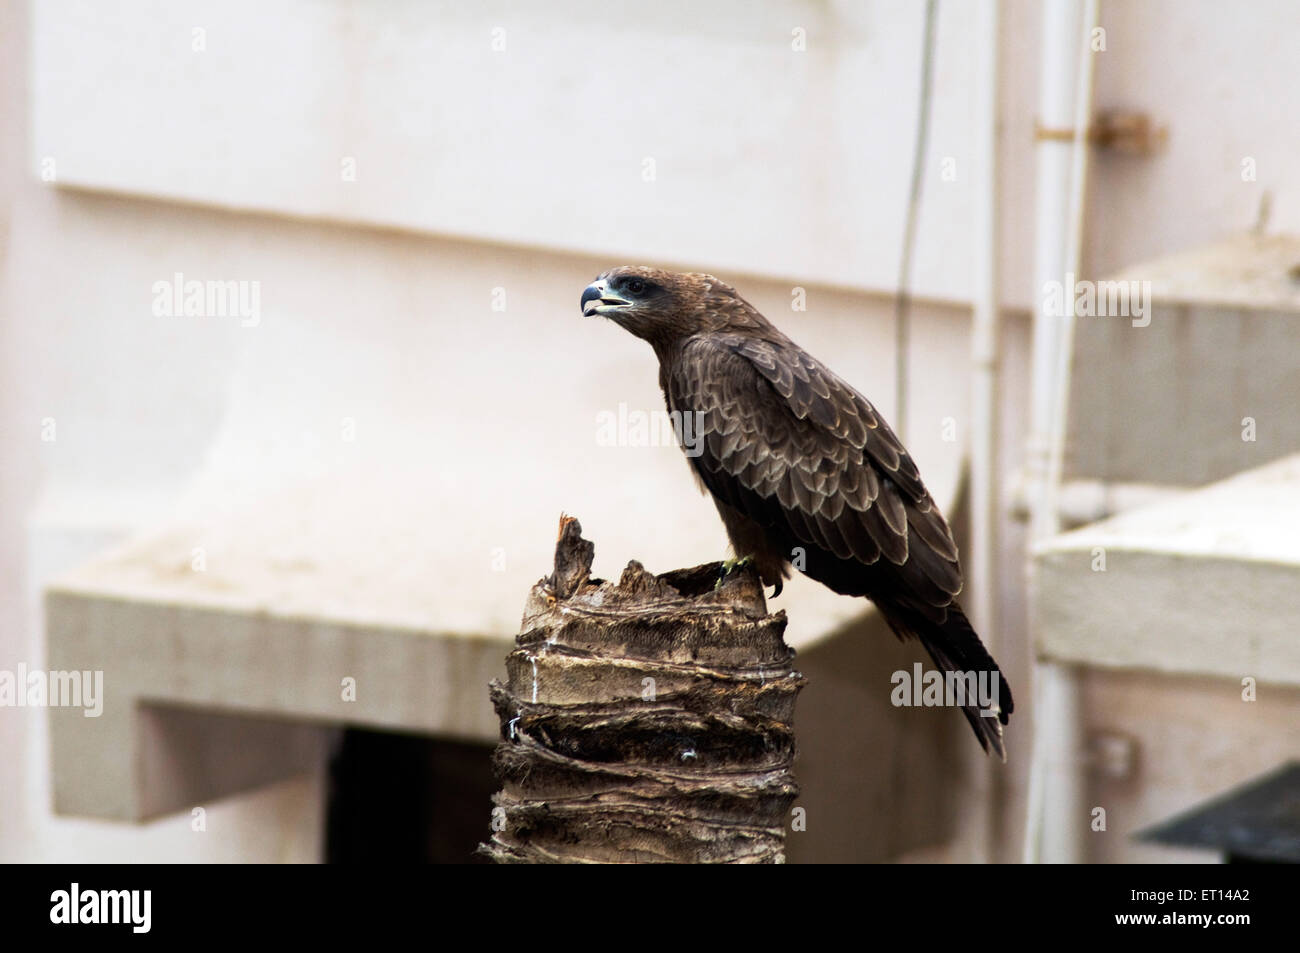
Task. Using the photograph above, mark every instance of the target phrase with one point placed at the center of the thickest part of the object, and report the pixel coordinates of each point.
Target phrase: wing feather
(798, 450)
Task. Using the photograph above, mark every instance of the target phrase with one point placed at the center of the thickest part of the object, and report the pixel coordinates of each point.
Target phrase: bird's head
(662, 306)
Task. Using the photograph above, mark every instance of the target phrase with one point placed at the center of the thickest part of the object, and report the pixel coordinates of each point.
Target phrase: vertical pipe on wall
(984, 483)
(1056, 815)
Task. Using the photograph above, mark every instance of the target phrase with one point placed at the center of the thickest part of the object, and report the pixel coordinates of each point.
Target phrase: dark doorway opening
(411, 798)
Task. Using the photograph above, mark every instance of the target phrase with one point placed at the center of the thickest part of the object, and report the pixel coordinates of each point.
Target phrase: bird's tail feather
(956, 648)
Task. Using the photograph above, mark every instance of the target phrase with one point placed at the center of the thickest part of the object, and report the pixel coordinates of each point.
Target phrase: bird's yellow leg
(728, 567)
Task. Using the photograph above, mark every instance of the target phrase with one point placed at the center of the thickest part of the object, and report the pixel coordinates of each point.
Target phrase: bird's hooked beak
(598, 299)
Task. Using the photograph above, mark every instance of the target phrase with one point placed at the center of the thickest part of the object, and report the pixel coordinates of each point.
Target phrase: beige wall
(145, 408)
(1192, 739)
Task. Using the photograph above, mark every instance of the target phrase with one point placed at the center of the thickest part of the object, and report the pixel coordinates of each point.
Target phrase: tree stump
(650, 720)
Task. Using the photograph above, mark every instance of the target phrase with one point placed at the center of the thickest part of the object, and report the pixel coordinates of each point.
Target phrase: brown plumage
(800, 464)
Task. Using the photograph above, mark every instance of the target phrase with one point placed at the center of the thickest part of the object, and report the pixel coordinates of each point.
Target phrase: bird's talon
(727, 567)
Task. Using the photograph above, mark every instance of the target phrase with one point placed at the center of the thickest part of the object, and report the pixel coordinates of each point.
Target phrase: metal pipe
(984, 484)
(1056, 816)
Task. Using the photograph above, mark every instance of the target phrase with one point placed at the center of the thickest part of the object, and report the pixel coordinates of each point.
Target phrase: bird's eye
(634, 286)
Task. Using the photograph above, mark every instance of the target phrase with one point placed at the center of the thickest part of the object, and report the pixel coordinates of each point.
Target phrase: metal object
(1257, 823)
(1128, 133)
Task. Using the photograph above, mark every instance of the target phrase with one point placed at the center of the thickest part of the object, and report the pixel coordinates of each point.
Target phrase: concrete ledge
(1207, 583)
(1248, 271)
(200, 703)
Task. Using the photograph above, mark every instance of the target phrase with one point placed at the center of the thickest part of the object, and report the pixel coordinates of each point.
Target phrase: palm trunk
(648, 721)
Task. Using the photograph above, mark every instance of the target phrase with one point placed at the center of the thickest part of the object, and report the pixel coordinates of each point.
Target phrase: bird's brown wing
(789, 444)
(792, 447)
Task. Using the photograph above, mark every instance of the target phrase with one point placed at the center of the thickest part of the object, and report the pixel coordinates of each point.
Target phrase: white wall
(768, 160)
(773, 168)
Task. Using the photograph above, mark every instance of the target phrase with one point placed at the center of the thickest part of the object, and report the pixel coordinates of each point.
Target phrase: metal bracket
(1128, 133)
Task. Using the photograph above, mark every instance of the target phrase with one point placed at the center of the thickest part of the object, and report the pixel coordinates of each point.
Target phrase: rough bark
(645, 721)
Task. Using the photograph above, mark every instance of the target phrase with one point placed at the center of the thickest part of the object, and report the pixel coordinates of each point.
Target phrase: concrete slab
(1205, 583)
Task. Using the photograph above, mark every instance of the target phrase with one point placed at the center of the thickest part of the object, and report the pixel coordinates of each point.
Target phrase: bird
(804, 471)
